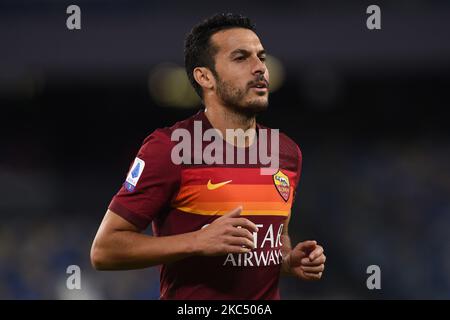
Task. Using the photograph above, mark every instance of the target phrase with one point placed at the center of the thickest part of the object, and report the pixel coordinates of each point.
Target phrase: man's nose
(259, 67)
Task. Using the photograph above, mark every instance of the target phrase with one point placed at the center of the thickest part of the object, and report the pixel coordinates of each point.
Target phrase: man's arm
(306, 261)
(120, 245)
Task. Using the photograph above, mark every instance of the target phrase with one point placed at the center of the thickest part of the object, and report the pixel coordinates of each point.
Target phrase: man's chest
(217, 190)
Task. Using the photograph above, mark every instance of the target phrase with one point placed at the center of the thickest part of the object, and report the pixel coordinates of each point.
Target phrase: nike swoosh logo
(213, 186)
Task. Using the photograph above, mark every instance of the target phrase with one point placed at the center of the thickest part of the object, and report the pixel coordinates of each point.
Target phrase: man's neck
(222, 118)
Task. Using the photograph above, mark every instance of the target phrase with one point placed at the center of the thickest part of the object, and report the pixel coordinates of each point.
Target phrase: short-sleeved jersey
(181, 198)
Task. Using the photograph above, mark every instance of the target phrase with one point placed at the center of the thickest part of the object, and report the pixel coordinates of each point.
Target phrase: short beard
(233, 98)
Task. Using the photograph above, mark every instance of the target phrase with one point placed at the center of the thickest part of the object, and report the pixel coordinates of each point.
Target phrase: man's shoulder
(287, 144)
(163, 135)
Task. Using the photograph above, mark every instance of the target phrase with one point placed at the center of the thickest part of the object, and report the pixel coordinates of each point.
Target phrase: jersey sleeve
(151, 183)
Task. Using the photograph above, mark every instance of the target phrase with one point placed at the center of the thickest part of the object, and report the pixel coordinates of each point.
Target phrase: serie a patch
(135, 173)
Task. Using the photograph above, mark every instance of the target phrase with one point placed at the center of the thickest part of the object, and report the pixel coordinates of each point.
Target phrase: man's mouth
(260, 86)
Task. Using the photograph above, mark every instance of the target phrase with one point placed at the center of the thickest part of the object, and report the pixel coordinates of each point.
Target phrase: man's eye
(263, 59)
(240, 58)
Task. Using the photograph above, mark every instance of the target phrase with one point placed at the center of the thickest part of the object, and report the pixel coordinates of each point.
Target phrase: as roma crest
(281, 182)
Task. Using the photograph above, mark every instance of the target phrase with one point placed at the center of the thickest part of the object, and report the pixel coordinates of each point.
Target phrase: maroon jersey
(183, 198)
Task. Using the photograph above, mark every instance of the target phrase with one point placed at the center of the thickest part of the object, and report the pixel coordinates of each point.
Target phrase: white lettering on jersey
(258, 258)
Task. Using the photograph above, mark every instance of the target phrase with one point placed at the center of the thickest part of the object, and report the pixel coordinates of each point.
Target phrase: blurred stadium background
(370, 110)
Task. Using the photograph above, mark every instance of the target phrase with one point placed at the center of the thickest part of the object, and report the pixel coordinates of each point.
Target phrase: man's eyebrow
(246, 52)
(241, 51)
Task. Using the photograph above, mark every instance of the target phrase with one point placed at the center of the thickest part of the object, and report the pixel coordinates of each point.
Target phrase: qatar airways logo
(267, 250)
(213, 153)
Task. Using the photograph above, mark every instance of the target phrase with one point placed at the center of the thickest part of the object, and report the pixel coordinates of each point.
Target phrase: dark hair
(198, 49)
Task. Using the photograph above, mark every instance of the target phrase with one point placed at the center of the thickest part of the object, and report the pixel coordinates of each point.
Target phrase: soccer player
(220, 230)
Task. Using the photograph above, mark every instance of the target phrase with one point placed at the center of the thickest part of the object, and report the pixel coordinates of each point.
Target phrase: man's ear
(204, 77)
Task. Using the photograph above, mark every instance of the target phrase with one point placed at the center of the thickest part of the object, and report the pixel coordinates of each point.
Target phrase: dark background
(369, 110)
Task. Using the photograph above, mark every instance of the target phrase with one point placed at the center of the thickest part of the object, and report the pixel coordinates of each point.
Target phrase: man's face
(242, 81)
